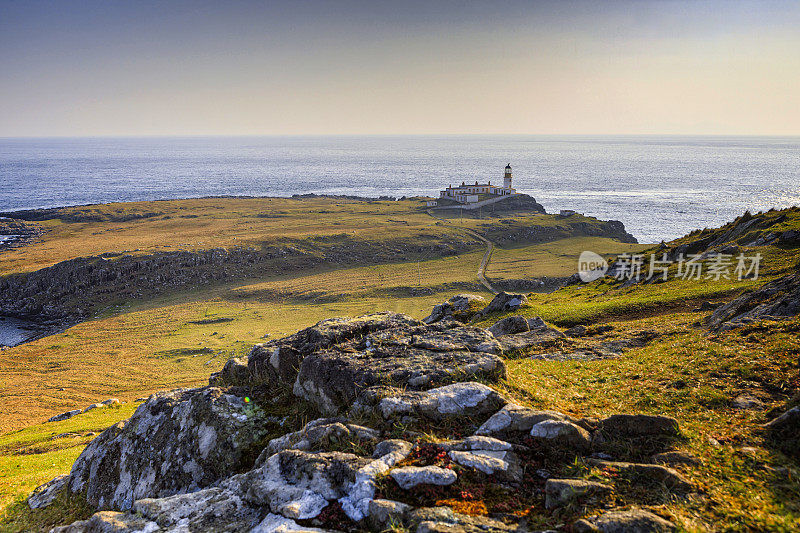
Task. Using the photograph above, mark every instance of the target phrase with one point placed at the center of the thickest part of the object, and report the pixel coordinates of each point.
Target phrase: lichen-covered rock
(110, 522)
(427, 358)
(500, 463)
(632, 521)
(461, 307)
(464, 399)
(46, 493)
(560, 492)
(234, 373)
(383, 514)
(410, 476)
(509, 325)
(274, 523)
(538, 336)
(177, 441)
(444, 520)
(640, 426)
(278, 361)
(298, 484)
(318, 434)
(563, 433)
(673, 458)
(209, 509)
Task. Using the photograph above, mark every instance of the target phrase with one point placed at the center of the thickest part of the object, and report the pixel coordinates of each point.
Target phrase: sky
(318, 67)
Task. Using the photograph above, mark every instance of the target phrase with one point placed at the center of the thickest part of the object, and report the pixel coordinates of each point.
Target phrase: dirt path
(486, 256)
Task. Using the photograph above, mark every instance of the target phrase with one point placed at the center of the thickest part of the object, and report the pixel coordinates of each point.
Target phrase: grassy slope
(555, 259)
(746, 482)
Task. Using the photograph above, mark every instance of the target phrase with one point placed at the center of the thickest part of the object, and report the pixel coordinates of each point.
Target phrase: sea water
(661, 187)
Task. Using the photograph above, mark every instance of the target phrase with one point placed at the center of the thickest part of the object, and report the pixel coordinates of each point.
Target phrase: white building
(470, 194)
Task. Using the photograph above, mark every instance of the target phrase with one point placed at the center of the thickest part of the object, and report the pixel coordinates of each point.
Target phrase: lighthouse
(507, 177)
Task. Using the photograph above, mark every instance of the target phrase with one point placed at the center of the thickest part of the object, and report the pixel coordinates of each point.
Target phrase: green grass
(694, 377)
(33, 455)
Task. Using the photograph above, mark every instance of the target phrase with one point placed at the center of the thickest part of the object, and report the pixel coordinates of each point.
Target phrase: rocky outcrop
(334, 361)
(414, 429)
(278, 361)
(175, 442)
(515, 231)
(774, 300)
(70, 290)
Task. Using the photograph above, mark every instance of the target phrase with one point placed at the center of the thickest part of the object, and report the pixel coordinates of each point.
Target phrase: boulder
(787, 422)
(444, 520)
(503, 303)
(509, 325)
(46, 493)
(234, 373)
(334, 378)
(274, 523)
(785, 431)
(779, 298)
(176, 442)
(632, 521)
(501, 463)
(515, 419)
(562, 433)
(383, 514)
(662, 474)
(460, 307)
(560, 492)
(93, 406)
(278, 361)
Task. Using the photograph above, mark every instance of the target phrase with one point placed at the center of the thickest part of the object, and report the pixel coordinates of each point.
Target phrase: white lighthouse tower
(507, 177)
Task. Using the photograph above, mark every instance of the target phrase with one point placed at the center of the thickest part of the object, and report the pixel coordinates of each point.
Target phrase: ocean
(660, 187)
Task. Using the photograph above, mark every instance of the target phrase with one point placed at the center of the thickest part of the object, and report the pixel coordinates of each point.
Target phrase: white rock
(274, 523)
(563, 432)
(410, 476)
(308, 506)
(488, 462)
(481, 442)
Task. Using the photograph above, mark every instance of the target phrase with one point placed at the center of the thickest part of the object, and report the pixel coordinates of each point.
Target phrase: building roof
(508, 166)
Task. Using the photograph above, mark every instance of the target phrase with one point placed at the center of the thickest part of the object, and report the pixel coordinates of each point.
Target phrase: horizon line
(343, 135)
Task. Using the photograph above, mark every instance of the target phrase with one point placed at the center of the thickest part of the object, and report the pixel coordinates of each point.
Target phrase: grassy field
(554, 260)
